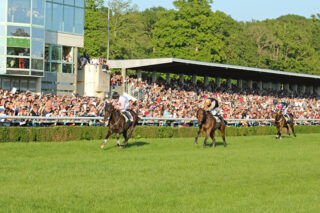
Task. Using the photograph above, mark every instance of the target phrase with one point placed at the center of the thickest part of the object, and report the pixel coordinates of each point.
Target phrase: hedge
(75, 133)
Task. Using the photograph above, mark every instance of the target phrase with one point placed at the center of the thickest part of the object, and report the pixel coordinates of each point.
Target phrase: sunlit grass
(252, 174)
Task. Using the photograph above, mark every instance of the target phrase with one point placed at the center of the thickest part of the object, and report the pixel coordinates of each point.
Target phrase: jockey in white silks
(122, 104)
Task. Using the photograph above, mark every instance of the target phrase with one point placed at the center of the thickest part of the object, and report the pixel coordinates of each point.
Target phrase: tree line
(193, 31)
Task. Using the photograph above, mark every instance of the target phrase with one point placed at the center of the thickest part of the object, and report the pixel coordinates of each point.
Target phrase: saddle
(127, 116)
(287, 118)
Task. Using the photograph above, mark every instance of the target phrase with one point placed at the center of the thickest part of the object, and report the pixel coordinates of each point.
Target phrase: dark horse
(119, 124)
(209, 124)
(280, 122)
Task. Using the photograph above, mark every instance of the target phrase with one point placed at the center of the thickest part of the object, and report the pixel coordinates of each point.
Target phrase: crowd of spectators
(176, 100)
(160, 99)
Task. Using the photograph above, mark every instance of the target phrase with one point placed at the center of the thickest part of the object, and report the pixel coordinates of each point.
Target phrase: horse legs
(213, 139)
(125, 142)
(223, 135)
(118, 141)
(105, 139)
(196, 139)
(292, 128)
(278, 132)
(206, 138)
(288, 131)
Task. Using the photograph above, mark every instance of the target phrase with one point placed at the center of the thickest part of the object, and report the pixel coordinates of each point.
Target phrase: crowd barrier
(150, 121)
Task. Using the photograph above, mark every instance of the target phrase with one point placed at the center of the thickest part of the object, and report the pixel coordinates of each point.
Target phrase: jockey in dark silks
(285, 107)
(212, 106)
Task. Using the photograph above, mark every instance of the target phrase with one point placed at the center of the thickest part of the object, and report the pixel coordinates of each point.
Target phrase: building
(39, 43)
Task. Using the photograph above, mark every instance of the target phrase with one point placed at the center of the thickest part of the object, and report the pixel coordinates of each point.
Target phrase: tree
(95, 28)
(189, 32)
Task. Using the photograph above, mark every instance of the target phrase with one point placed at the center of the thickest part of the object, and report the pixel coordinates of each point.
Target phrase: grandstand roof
(190, 67)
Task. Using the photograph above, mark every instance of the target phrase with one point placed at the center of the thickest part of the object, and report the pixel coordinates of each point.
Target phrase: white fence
(98, 121)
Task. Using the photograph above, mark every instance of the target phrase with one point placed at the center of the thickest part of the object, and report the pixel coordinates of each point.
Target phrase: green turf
(252, 174)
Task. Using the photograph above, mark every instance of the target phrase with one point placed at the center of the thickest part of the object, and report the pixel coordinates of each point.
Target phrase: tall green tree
(95, 28)
(189, 32)
(128, 38)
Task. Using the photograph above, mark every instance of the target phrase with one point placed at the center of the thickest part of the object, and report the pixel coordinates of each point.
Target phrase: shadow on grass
(133, 144)
(137, 143)
(284, 137)
(210, 144)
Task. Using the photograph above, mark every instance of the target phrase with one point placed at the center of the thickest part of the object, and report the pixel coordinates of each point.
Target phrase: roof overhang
(190, 67)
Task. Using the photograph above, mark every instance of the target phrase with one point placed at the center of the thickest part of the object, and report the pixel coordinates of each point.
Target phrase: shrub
(74, 133)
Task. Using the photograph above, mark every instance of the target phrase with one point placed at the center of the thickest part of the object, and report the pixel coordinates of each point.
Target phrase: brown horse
(280, 122)
(119, 124)
(209, 124)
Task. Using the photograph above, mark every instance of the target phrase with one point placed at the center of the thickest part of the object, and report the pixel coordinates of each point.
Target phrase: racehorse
(209, 124)
(280, 122)
(119, 124)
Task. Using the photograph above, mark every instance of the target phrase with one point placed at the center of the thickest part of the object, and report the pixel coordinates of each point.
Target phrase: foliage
(194, 31)
(65, 133)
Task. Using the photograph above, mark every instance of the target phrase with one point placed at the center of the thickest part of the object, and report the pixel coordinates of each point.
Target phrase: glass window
(49, 16)
(21, 63)
(23, 85)
(79, 19)
(38, 12)
(67, 68)
(46, 52)
(37, 50)
(56, 53)
(37, 33)
(18, 42)
(36, 64)
(79, 3)
(67, 54)
(2, 30)
(3, 8)
(15, 83)
(2, 45)
(32, 85)
(57, 16)
(18, 31)
(2, 62)
(47, 66)
(71, 2)
(6, 83)
(55, 67)
(18, 51)
(19, 11)
(68, 18)
(58, 1)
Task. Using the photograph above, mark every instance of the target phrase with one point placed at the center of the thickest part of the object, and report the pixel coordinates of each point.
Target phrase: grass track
(253, 174)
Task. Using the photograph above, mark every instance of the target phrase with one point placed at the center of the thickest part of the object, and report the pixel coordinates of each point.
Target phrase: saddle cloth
(127, 117)
(287, 118)
(218, 121)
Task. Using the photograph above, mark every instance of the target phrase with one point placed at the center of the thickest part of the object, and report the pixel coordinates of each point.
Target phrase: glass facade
(22, 36)
(59, 59)
(23, 51)
(65, 16)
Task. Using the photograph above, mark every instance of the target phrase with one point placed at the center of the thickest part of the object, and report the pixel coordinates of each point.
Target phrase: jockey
(212, 106)
(122, 104)
(285, 107)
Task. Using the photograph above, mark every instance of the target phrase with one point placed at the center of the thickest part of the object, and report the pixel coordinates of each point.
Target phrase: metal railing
(99, 121)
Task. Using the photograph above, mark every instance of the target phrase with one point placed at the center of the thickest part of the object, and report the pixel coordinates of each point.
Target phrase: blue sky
(248, 10)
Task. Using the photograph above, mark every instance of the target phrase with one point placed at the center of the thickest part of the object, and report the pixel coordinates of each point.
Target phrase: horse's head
(201, 116)
(108, 110)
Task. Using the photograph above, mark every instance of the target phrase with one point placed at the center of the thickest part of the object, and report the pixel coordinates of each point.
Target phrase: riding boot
(220, 117)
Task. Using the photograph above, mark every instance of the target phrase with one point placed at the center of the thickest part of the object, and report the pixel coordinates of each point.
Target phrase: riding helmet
(115, 95)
